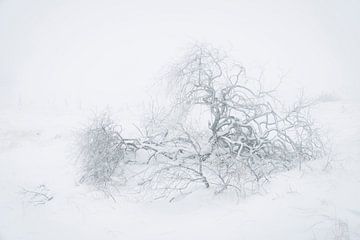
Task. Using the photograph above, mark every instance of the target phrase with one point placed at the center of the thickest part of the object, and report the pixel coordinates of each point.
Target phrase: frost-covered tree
(246, 137)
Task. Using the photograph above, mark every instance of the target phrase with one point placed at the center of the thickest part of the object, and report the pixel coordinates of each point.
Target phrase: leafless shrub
(102, 153)
(248, 135)
(332, 227)
(37, 196)
(340, 230)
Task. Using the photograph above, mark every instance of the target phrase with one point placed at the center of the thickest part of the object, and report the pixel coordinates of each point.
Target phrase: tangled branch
(248, 136)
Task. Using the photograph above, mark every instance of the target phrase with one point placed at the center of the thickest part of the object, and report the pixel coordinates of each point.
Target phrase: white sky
(106, 51)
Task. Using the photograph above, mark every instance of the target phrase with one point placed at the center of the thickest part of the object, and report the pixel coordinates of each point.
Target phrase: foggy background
(110, 52)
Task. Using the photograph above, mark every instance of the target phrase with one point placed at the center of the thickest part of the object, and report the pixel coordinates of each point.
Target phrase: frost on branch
(103, 153)
(244, 134)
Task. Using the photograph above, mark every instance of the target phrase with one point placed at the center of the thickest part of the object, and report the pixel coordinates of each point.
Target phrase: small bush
(102, 152)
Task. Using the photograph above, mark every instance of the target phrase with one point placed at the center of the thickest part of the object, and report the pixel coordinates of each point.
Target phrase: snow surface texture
(40, 198)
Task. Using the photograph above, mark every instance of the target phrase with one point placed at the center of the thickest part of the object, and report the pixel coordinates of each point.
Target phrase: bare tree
(247, 138)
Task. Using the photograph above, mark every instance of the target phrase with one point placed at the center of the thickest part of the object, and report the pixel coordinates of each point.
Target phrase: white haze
(61, 60)
(111, 52)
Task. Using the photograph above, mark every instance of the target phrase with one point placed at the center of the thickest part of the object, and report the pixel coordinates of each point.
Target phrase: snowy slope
(320, 201)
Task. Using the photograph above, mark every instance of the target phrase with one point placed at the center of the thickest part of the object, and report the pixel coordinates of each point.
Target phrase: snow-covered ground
(320, 201)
